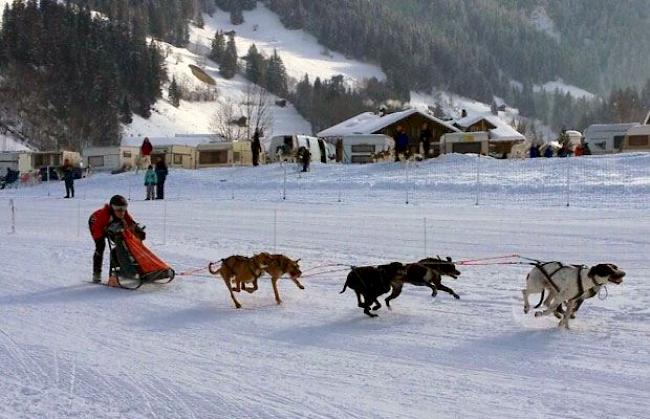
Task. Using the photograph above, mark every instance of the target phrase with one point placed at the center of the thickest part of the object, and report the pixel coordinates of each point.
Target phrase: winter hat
(118, 201)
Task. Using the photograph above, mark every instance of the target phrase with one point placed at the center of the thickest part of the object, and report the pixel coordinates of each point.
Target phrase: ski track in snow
(72, 349)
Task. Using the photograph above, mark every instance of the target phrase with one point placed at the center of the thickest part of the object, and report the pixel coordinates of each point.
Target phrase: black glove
(139, 232)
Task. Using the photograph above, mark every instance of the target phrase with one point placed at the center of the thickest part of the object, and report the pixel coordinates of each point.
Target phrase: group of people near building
(403, 147)
(154, 177)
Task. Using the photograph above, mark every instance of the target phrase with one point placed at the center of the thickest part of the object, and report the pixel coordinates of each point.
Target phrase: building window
(638, 141)
(96, 161)
(126, 154)
(618, 141)
(213, 157)
(363, 148)
(178, 159)
(236, 156)
(466, 148)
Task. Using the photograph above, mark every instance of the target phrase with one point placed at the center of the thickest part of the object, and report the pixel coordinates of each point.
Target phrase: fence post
(47, 176)
(284, 183)
(164, 221)
(232, 180)
(340, 182)
(425, 238)
(275, 230)
(406, 168)
(13, 216)
(78, 218)
(568, 183)
(130, 176)
(478, 177)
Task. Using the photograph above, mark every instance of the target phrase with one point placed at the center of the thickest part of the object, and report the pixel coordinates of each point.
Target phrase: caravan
(607, 138)
(285, 147)
(363, 148)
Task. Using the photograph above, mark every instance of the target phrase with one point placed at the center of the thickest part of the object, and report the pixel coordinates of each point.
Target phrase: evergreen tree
(218, 47)
(276, 76)
(126, 116)
(228, 67)
(255, 66)
(174, 94)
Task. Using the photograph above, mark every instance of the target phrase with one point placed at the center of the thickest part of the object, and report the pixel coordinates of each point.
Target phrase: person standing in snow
(145, 154)
(426, 136)
(150, 181)
(401, 143)
(114, 211)
(161, 176)
(306, 158)
(534, 151)
(68, 178)
(256, 147)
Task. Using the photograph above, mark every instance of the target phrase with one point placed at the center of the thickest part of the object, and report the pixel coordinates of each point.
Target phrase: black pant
(160, 190)
(98, 256)
(69, 188)
(256, 158)
(426, 146)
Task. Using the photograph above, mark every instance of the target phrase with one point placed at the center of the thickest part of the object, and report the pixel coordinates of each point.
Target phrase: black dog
(426, 273)
(373, 281)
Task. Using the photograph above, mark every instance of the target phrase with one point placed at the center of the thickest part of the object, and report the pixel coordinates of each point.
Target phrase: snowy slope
(300, 51)
(562, 87)
(73, 349)
(196, 117)
(9, 143)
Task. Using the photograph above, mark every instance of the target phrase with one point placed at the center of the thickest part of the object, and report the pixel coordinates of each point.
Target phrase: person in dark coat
(68, 178)
(257, 147)
(534, 151)
(401, 143)
(306, 159)
(161, 176)
(548, 151)
(426, 136)
(586, 151)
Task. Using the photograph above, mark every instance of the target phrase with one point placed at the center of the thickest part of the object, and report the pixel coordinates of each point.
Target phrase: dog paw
(302, 287)
(456, 296)
(526, 310)
(538, 314)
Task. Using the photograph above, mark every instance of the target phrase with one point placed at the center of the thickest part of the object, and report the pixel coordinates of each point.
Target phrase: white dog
(567, 284)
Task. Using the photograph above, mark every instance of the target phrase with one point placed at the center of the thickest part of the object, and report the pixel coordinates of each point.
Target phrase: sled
(132, 264)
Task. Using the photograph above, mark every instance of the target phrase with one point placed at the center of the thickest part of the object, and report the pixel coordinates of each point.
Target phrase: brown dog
(239, 270)
(277, 266)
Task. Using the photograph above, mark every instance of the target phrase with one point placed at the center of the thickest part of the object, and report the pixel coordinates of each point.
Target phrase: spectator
(534, 151)
(145, 154)
(548, 151)
(161, 176)
(68, 178)
(401, 143)
(257, 147)
(150, 181)
(586, 150)
(426, 136)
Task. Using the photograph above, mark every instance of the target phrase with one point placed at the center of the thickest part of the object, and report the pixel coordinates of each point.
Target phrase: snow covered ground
(72, 349)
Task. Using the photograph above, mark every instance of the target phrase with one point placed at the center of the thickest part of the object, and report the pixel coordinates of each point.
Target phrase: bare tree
(256, 107)
(226, 122)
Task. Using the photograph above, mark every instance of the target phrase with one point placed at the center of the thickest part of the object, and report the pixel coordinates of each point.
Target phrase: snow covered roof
(501, 131)
(191, 140)
(371, 123)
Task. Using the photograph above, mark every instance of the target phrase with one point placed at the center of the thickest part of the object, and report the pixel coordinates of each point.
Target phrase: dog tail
(344, 287)
(540, 300)
(213, 272)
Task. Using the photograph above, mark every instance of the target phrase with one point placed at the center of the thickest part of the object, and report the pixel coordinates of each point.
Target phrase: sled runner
(132, 264)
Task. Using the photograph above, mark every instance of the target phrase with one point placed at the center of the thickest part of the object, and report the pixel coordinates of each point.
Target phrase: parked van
(285, 147)
(607, 138)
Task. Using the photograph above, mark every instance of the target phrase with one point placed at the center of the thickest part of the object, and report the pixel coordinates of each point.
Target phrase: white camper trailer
(284, 148)
(363, 148)
(465, 142)
(607, 138)
(110, 158)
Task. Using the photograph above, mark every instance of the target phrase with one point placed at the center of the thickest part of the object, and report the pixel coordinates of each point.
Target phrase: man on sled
(106, 223)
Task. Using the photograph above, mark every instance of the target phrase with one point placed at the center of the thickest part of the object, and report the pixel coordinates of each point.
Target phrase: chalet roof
(371, 123)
